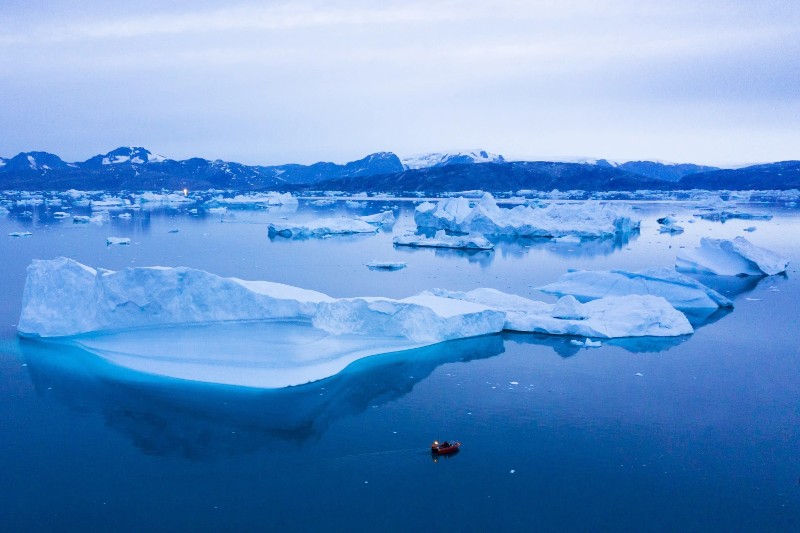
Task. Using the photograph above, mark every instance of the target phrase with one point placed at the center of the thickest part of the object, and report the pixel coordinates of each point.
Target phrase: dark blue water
(698, 433)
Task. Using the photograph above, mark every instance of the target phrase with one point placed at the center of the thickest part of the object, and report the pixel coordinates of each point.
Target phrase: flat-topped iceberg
(585, 219)
(255, 200)
(442, 240)
(386, 265)
(321, 227)
(682, 292)
(731, 258)
(610, 317)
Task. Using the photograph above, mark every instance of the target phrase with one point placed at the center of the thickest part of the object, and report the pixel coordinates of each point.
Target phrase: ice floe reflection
(197, 421)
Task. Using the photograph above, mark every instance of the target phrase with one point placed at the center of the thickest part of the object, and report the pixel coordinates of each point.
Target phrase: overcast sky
(276, 82)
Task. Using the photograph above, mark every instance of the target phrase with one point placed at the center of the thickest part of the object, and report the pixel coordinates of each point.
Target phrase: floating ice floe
(586, 219)
(165, 199)
(321, 227)
(386, 265)
(256, 199)
(125, 216)
(384, 218)
(20, 234)
(731, 258)
(60, 214)
(669, 225)
(614, 316)
(97, 219)
(682, 292)
(112, 241)
(442, 240)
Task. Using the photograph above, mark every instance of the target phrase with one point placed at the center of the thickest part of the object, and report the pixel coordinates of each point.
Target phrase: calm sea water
(699, 433)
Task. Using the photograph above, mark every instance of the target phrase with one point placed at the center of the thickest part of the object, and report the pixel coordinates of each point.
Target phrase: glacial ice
(731, 258)
(442, 240)
(256, 200)
(681, 291)
(587, 219)
(610, 317)
(321, 227)
(162, 320)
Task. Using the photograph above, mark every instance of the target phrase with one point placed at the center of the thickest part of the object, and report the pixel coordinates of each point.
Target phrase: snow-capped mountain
(133, 155)
(41, 162)
(441, 159)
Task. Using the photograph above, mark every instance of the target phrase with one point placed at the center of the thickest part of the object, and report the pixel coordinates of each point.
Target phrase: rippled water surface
(693, 433)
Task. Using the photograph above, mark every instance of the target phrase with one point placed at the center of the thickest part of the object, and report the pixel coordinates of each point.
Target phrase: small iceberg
(735, 257)
(60, 214)
(97, 219)
(321, 227)
(442, 240)
(20, 234)
(587, 219)
(682, 292)
(386, 265)
(384, 219)
(669, 225)
(117, 241)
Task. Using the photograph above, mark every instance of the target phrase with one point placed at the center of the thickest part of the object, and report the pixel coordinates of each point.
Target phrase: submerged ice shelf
(157, 320)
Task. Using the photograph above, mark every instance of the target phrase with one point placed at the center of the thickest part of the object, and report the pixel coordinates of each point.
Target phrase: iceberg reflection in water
(168, 417)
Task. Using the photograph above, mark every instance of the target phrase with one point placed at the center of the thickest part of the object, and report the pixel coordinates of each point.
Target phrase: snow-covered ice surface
(321, 227)
(609, 317)
(681, 291)
(442, 240)
(588, 219)
(731, 258)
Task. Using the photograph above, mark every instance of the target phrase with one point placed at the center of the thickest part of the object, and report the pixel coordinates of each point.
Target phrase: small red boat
(444, 448)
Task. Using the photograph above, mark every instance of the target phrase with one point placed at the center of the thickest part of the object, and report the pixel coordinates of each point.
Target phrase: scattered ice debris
(60, 214)
(731, 258)
(513, 382)
(640, 374)
(354, 204)
(322, 203)
(587, 219)
(124, 215)
(217, 210)
(723, 215)
(442, 240)
(669, 225)
(321, 227)
(588, 343)
(567, 238)
(682, 292)
(20, 234)
(750, 229)
(386, 265)
(614, 316)
(384, 218)
(111, 241)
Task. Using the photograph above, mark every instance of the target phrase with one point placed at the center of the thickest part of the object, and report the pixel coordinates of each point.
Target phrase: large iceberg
(682, 292)
(731, 258)
(585, 219)
(321, 227)
(63, 297)
(178, 322)
(442, 240)
(610, 317)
